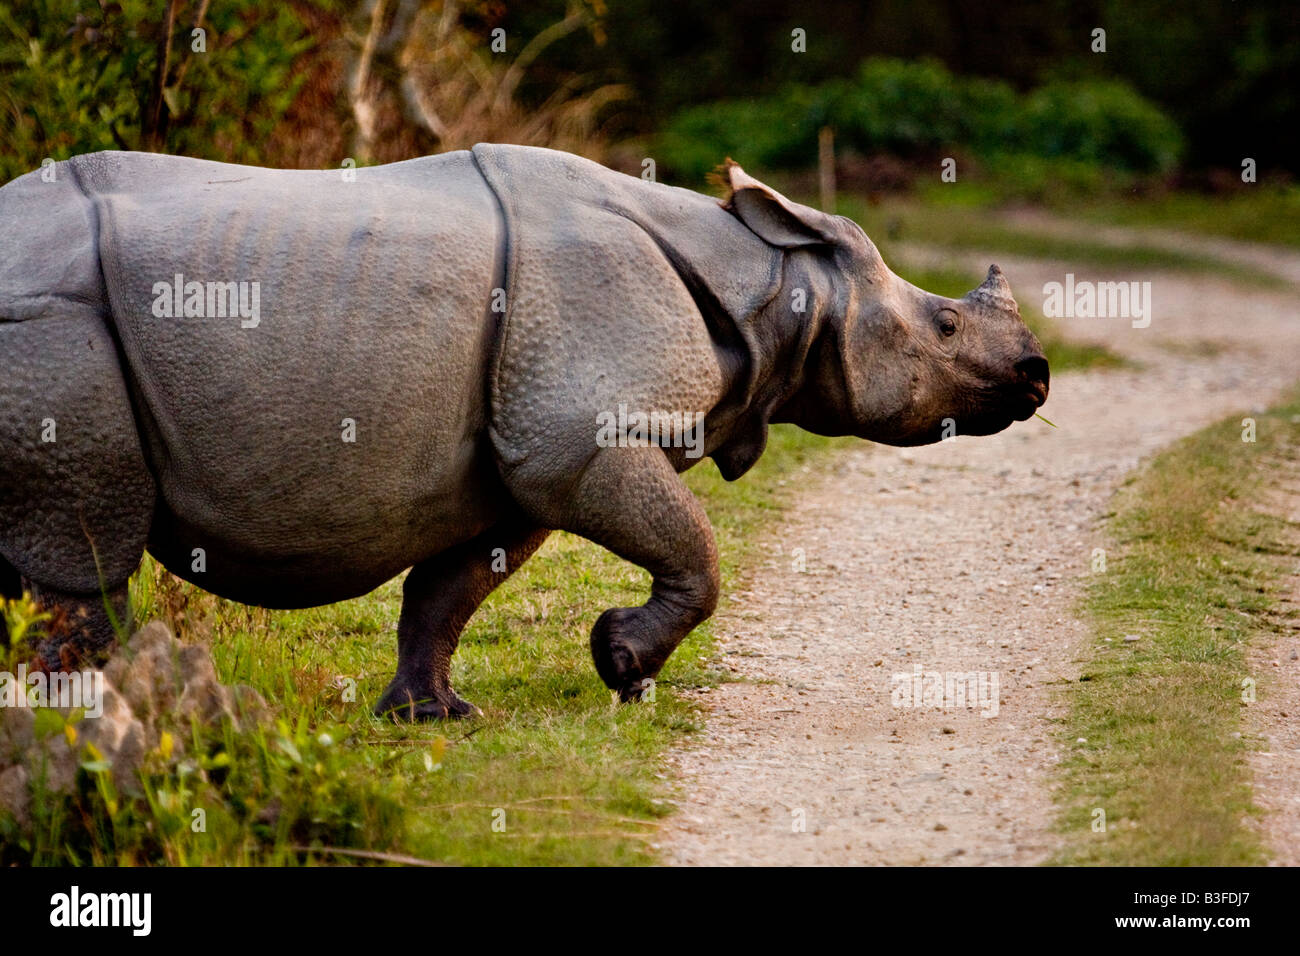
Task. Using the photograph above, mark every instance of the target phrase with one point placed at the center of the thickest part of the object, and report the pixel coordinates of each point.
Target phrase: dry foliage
(421, 81)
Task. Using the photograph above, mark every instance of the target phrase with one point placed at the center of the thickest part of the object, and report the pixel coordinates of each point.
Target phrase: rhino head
(888, 361)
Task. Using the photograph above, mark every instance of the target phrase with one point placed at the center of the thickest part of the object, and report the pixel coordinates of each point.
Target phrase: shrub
(1103, 122)
(777, 132)
(917, 109)
(76, 78)
(901, 107)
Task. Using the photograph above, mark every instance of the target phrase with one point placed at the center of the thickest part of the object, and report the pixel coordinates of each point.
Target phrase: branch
(198, 22)
(153, 121)
(361, 109)
(531, 51)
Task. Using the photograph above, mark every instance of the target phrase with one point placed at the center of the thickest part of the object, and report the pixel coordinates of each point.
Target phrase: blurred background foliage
(917, 110)
(77, 77)
(1183, 92)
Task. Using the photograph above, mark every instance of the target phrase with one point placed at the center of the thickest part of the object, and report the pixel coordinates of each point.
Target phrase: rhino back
(371, 313)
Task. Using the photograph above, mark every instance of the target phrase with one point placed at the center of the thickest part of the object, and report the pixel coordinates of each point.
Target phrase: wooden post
(826, 167)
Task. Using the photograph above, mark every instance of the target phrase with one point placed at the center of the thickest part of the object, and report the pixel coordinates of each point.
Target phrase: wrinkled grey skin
(475, 428)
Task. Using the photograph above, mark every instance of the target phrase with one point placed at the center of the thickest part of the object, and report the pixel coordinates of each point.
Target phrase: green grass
(960, 226)
(578, 779)
(1193, 572)
(1258, 214)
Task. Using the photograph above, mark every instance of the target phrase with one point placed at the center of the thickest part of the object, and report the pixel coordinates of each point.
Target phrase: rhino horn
(995, 290)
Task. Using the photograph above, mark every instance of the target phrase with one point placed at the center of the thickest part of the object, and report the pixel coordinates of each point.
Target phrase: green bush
(901, 107)
(269, 796)
(76, 77)
(992, 112)
(1102, 122)
(918, 109)
(776, 132)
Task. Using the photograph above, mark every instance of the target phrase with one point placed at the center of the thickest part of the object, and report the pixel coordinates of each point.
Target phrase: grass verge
(1154, 728)
(964, 227)
(1262, 212)
(554, 772)
(1257, 214)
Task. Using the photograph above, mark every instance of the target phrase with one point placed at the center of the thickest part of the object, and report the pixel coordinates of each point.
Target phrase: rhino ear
(773, 218)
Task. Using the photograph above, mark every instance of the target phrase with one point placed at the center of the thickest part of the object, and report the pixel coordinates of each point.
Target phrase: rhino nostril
(1033, 368)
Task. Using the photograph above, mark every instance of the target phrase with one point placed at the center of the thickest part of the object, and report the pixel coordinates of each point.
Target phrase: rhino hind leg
(632, 502)
(80, 629)
(76, 497)
(438, 598)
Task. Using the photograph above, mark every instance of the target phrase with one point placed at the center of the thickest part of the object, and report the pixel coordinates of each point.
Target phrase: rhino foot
(81, 632)
(401, 703)
(614, 653)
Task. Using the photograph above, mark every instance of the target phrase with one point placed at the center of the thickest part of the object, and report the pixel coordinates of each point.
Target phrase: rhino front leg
(632, 501)
(438, 598)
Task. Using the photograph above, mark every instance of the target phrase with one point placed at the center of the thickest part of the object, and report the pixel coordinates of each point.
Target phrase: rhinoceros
(292, 386)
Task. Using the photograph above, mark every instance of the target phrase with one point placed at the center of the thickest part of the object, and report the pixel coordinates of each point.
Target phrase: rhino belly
(309, 359)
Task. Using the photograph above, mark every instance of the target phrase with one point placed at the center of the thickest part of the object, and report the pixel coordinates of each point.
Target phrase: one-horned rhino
(292, 386)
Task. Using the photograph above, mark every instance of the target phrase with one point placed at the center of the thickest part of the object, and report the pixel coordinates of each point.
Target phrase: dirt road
(958, 558)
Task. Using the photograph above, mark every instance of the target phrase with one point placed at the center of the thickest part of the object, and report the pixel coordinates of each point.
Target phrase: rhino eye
(947, 323)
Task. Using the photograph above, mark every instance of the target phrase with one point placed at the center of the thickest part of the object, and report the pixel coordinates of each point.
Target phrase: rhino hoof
(402, 705)
(616, 662)
(635, 692)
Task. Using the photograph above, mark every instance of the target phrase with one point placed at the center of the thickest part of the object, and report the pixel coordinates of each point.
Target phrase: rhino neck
(780, 346)
(821, 405)
(820, 401)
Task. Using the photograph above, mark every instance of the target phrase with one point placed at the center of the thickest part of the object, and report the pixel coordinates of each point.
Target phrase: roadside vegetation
(1154, 732)
(901, 219)
(907, 108)
(1093, 148)
(1264, 212)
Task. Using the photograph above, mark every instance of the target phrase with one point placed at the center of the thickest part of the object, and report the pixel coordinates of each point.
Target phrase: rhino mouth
(1028, 402)
(1025, 399)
